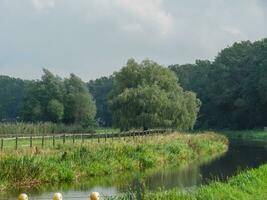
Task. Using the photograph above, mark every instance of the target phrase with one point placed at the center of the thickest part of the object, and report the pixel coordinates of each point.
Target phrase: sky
(94, 38)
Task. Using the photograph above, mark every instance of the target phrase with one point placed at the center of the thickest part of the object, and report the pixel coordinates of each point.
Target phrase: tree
(52, 99)
(232, 88)
(146, 95)
(100, 89)
(78, 102)
(55, 110)
(40, 94)
(12, 91)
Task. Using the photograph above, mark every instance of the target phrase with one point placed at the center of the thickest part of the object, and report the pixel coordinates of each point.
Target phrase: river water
(240, 156)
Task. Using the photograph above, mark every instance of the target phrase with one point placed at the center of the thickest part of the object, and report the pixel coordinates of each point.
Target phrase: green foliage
(11, 92)
(38, 97)
(232, 89)
(146, 95)
(55, 100)
(79, 104)
(100, 89)
(55, 110)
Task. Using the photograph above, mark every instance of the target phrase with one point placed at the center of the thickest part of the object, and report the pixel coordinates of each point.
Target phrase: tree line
(232, 92)
(140, 96)
(232, 88)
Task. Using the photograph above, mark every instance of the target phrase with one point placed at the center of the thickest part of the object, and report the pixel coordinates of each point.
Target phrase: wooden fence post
(43, 141)
(98, 138)
(31, 141)
(73, 138)
(2, 144)
(82, 138)
(16, 143)
(54, 142)
(64, 139)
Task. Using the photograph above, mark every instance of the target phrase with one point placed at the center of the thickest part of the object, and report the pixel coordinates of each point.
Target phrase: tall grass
(21, 128)
(68, 163)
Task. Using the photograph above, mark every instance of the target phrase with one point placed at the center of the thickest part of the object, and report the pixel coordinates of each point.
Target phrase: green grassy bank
(249, 185)
(70, 163)
(258, 135)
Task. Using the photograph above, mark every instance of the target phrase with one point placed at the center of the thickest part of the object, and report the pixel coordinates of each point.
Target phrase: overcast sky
(92, 38)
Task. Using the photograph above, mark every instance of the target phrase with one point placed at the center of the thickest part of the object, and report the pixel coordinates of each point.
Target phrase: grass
(249, 185)
(41, 128)
(259, 135)
(73, 162)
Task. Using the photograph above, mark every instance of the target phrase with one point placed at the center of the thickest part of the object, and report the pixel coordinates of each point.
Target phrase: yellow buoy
(94, 196)
(23, 197)
(57, 196)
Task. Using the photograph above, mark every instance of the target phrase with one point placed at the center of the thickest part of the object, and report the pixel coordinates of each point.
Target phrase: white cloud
(95, 37)
(149, 12)
(233, 31)
(143, 16)
(43, 4)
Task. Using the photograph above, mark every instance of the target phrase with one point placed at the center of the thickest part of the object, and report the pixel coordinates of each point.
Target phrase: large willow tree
(147, 95)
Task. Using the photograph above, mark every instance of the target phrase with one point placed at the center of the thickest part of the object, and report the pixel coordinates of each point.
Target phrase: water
(240, 156)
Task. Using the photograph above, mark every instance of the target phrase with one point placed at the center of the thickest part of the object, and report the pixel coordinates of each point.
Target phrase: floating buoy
(57, 196)
(94, 196)
(23, 197)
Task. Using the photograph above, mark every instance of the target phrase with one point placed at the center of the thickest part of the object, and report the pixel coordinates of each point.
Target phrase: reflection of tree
(240, 156)
(173, 178)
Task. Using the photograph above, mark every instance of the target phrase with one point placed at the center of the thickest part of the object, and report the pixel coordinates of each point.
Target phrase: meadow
(41, 128)
(71, 162)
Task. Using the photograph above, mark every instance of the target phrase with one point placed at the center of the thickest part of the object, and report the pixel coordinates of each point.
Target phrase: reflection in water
(174, 178)
(241, 155)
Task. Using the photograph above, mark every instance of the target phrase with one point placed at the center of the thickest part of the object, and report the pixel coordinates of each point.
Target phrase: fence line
(81, 136)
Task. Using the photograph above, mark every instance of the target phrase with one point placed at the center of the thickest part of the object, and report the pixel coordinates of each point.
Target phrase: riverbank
(247, 185)
(256, 135)
(71, 163)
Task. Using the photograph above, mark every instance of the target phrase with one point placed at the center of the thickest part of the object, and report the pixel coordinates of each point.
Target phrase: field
(41, 128)
(72, 162)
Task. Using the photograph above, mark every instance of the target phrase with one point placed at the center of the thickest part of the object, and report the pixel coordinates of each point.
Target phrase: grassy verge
(247, 185)
(70, 163)
(259, 135)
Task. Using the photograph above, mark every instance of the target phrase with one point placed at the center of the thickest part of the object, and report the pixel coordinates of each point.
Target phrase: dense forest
(12, 91)
(232, 90)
